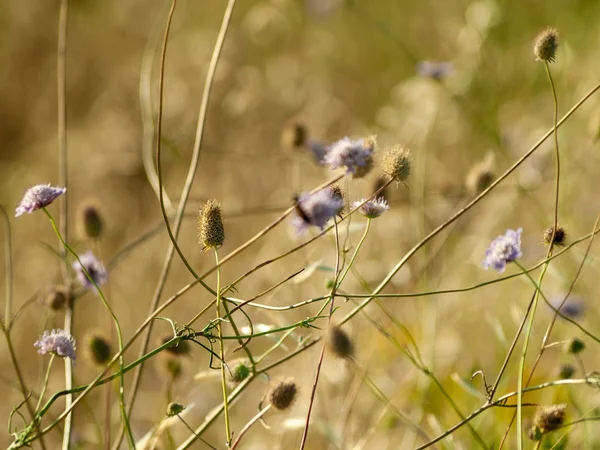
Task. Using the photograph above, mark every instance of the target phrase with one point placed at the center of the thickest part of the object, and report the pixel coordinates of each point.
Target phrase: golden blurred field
(341, 68)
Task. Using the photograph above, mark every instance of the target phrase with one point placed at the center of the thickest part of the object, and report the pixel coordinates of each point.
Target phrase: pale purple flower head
(316, 209)
(58, 342)
(348, 153)
(373, 208)
(94, 267)
(573, 306)
(37, 197)
(503, 249)
(434, 69)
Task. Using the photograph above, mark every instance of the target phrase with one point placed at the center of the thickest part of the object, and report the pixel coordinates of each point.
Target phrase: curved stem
(46, 379)
(249, 425)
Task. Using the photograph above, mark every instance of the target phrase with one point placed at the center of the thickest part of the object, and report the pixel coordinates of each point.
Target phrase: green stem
(46, 379)
(222, 352)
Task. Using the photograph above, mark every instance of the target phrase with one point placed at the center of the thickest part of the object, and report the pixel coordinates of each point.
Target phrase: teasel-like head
(283, 394)
(90, 224)
(56, 297)
(339, 342)
(97, 348)
(396, 162)
(294, 135)
(546, 44)
(211, 233)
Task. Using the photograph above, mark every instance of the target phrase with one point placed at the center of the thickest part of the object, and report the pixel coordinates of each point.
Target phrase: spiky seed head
(174, 409)
(339, 342)
(396, 163)
(574, 346)
(89, 220)
(546, 44)
(181, 348)
(239, 372)
(56, 297)
(211, 233)
(547, 418)
(566, 371)
(560, 237)
(283, 394)
(97, 348)
(294, 135)
(337, 192)
(361, 171)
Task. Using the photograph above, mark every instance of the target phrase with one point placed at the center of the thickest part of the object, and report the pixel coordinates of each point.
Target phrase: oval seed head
(211, 233)
(396, 163)
(574, 346)
(294, 135)
(546, 419)
(566, 371)
(56, 297)
(338, 193)
(560, 237)
(89, 221)
(182, 348)
(283, 394)
(169, 367)
(174, 409)
(370, 143)
(239, 372)
(546, 44)
(339, 342)
(481, 175)
(98, 349)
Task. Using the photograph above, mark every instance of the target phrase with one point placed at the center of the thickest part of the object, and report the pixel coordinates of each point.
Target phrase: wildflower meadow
(300, 224)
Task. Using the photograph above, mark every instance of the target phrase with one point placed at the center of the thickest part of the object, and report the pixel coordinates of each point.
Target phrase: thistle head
(283, 394)
(396, 162)
(211, 233)
(547, 418)
(239, 371)
(558, 238)
(546, 44)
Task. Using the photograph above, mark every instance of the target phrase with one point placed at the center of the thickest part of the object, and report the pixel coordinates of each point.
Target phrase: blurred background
(455, 81)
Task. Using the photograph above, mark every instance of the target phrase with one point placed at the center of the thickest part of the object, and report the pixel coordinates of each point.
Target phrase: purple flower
(38, 197)
(434, 69)
(573, 306)
(58, 342)
(348, 153)
(373, 208)
(503, 249)
(316, 209)
(94, 267)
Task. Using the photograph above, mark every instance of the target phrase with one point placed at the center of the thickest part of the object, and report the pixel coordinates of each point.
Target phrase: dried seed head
(239, 372)
(560, 237)
(56, 297)
(294, 135)
(170, 368)
(369, 143)
(97, 348)
(283, 394)
(481, 175)
(546, 419)
(181, 348)
(566, 371)
(174, 409)
(211, 233)
(574, 346)
(339, 342)
(396, 163)
(89, 221)
(337, 192)
(546, 44)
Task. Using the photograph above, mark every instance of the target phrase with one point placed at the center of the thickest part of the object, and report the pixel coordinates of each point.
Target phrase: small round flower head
(481, 175)
(315, 209)
(239, 372)
(55, 297)
(348, 153)
(38, 197)
(546, 44)
(294, 135)
(89, 221)
(182, 348)
(94, 268)
(373, 208)
(546, 419)
(559, 239)
(337, 192)
(339, 342)
(98, 349)
(361, 171)
(502, 250)
(174, 409)
(396, 163)
(283, 394)
(434, 69)
(574, 346)
(573, 307)
(58, 342)
(566, 371)
(211, 233)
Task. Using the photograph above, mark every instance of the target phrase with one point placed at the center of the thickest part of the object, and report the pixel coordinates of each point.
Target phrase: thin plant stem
(8, 279)
(222, 353)
(117, 327)
(249, 425)
(46, 379)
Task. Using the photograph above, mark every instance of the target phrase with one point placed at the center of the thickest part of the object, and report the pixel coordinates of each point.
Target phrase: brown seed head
(546, 44)
(211, 233)
(339, 342)
(97, 348)
(547, 418)
(293, 135)
(560, 237)
(396, 163)
(362, 171)
(182, 348)
(89, 220)
(56, 297)
(283, 394)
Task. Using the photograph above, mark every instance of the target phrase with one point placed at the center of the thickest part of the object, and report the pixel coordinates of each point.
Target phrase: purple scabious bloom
(94, 267)
(348, 153)
(58, 342)
(434, 69)
(573, 307)
(316, 209)
(503, 249)
(373, 208)
(38, 197)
